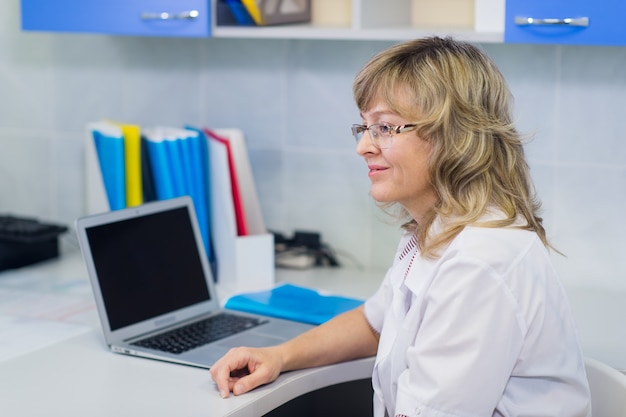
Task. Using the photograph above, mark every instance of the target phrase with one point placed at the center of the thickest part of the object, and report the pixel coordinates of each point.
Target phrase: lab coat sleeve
(470, 335)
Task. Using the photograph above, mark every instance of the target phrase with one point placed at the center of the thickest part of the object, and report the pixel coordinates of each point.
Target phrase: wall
(293, 100)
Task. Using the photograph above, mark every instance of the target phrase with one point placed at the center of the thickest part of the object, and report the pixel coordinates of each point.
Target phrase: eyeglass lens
(380, 134)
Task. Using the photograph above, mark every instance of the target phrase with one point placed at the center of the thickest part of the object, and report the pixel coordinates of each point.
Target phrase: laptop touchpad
(251, 339)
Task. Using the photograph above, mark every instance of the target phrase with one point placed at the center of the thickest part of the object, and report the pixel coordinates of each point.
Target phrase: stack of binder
(262, 12)
(127, 165)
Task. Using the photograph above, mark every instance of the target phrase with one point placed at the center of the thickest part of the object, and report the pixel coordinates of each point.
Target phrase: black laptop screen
(147, 266)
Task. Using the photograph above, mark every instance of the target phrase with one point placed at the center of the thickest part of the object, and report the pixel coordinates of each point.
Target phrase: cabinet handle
(191, 14)
(568, 21)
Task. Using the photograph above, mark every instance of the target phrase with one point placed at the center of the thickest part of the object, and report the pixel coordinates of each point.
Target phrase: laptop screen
(147, 266)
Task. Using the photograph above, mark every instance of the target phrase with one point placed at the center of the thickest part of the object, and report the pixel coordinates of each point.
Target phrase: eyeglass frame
(375, 136)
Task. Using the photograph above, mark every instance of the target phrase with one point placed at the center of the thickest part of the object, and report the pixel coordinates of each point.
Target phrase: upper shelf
(382, 34)
(472, 20)
(576, 22)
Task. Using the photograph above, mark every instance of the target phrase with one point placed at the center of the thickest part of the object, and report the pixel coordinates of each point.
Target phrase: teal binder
(293, 302)
(175, 160)
(161, 171)
(110, 150)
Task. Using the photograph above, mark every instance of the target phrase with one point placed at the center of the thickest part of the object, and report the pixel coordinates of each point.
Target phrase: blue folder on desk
(293, 302)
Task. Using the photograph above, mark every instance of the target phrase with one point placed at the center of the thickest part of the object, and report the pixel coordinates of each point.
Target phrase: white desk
(68, 371)
(79, 377)
(71, 373)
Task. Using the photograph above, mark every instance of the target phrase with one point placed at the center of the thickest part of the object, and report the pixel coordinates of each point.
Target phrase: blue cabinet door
(579, 22)
(177, 18)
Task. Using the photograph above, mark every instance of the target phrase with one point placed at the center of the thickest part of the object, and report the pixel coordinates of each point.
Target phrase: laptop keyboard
(200, 333)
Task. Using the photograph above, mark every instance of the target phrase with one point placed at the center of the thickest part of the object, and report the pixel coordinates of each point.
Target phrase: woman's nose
(365, 145)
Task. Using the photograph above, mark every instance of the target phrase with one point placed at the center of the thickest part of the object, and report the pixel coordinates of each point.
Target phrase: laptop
(154, 290)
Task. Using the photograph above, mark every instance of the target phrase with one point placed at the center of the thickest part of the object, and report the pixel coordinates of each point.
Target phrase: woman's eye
(385, 129)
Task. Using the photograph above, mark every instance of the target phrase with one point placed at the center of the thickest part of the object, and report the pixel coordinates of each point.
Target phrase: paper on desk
(59, 307)
(21, 335)
(32, 320)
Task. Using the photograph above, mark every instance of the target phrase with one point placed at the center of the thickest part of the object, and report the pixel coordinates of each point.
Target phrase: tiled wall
(293, 100)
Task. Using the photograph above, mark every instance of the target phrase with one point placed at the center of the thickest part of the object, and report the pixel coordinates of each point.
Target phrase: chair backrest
(608, 389)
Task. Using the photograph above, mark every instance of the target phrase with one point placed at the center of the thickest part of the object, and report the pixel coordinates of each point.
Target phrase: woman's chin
(380, 197)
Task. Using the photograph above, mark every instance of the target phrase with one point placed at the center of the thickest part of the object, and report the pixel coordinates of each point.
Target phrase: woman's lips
(375, 169)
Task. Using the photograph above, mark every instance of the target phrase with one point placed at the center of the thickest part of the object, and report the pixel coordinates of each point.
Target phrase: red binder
(240, 218)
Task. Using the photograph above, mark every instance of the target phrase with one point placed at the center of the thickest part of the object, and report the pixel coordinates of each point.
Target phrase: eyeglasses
(381, 134)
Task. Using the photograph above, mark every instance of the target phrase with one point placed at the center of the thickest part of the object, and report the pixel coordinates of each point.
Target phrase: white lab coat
(485, 330)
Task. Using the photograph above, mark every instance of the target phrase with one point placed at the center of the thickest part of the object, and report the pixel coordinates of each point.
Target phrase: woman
(471, 318)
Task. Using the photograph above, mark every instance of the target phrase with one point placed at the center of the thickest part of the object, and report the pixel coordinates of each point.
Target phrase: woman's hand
(345, 337)
(243, 369)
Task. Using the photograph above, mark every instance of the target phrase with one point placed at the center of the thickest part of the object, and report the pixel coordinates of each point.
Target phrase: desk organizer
(26, 241)
(244, 262)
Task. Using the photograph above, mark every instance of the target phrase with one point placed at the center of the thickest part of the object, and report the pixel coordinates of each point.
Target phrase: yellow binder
(132, 158)
(254, 11)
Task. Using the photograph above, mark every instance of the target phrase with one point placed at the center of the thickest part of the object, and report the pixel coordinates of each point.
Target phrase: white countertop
(52, 301)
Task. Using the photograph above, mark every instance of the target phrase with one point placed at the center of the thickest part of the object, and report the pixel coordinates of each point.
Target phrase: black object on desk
(24, 241)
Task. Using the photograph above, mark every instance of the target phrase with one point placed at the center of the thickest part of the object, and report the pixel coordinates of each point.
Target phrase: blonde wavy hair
(462, 106)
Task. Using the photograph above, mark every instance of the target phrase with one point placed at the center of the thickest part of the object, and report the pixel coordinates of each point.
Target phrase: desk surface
(79, 377)
(62, 367)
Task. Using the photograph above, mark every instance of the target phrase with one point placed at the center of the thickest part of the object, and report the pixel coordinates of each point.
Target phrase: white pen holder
(245, 263)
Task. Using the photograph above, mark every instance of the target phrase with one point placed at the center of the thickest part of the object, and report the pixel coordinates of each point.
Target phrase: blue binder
(293, 302)
(110, 150)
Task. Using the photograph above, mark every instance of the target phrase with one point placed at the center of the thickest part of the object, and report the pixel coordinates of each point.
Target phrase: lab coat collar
(423, 268)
